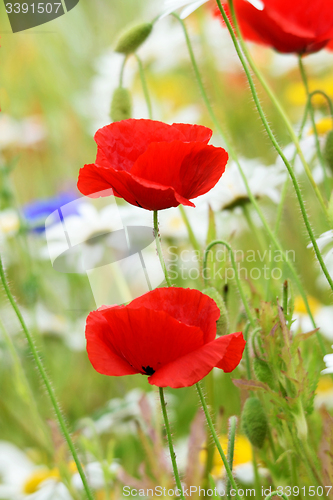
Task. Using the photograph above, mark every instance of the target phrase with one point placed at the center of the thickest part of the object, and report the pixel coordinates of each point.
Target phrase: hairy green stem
(272, 138)
(328, 100)
(159, 248)
(145, 87)
(121, 76)
(247, 353)
(26, 393)
(269, 91)
(276, 494)
(210, 391)
(254, 229)
(172, 452)
(239, 285)
(231, 448)
(254, 202)
(191, 234)
(313, 121)
(217, 442)
(255, 470)
(46, 381)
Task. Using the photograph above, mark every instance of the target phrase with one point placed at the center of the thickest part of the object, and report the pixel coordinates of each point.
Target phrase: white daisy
(95, 475)
(323, 316)
(25, 133)
(9, 223)
(328, 359)
(22, 479)
(80, 240)
(96, 104)
(121, 414)
(325, 245)
(324, 391)
(230, 191)
(190, 6)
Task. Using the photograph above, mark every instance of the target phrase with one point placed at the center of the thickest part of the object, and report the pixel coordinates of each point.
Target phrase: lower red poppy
(167, 334)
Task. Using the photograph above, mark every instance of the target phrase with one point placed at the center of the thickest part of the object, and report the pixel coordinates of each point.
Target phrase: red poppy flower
(153, 165)
(288, 26)
(167, 334)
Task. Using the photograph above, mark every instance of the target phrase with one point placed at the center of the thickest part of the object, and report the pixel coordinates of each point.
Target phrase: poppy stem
(313, 121)
(171, 449)
(25, 391)
(325, 96)
(276, 494)
(269, 92)
(121, 76)
(159, 248)
(144, 87)
(47, 383)
(254, 202)
(191, 234)
(274, 141)
(217, 442)
(239, 285)
(231, 447)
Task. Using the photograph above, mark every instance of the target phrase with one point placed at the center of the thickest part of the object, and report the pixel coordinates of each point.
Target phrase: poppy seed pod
(328, 149)
(121, 105)
(131, 40)
(254, 422)
(263, 372)
(222, 324)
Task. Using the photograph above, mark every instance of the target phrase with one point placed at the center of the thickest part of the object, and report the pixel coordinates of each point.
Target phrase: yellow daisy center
(325, 385)
(242, 454)
(300, 308)
(37, 477)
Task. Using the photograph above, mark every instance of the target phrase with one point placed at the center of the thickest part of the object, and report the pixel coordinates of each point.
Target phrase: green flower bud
(131, 40)
(222, 324)
(263, 372)
(328, 149)
(254, 422)
(121, 105)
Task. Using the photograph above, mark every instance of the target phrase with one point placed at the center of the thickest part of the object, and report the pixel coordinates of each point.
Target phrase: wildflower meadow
(166, 249)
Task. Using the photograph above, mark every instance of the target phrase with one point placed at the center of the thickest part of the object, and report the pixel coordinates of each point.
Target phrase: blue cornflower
(36, 212)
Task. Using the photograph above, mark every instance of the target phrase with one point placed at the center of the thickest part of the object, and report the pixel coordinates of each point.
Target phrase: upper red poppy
(299, 26)
(153, 165)
(167, 334)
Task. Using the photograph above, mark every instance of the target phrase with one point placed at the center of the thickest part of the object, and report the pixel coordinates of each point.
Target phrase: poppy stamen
(148, 370)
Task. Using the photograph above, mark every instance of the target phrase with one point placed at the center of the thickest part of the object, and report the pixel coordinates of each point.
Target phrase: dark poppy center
(148, 370)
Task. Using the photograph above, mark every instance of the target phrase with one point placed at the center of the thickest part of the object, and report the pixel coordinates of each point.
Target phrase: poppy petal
(189, 306)
(302, 27)
(91, 183)
(100, 353)
(145, 194)
(94, 181)
(144, 337)
(121, 143)
(194, 133)
(189, 369)
(192, 169)
(233, 356)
